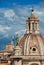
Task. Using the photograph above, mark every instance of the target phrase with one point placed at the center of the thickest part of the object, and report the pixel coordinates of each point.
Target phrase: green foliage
(17, 38)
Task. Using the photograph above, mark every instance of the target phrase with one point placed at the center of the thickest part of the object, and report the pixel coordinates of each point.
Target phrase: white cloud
(39, 13)
(20, 31)
(9, 13)
(23, 11)
(18, 17)
(4, 29)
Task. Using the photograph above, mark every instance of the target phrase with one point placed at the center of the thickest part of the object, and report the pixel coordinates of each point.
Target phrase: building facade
(30, 50)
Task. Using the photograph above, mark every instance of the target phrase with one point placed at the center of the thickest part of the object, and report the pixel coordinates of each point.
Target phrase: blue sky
(18, 2)
(13, 15)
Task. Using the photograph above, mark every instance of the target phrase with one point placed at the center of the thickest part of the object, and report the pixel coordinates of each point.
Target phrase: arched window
(29, 26)
(33, 26)
(36, 26)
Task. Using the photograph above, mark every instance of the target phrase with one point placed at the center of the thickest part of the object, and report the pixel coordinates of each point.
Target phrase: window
(34, 49)
(18, 59)
(34, 64)
(29, 26)
(33, 26)
(36, 26)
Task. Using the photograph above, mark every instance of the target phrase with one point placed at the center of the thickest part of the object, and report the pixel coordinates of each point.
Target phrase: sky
(13, 16)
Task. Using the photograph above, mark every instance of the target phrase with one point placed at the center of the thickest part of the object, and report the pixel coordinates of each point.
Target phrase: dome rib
(40, 45)
(26, 45)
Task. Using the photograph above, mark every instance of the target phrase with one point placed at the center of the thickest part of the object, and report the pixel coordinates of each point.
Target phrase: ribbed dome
(32, 44)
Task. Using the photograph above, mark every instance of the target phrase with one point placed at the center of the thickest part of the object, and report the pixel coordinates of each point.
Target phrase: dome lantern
(32, 24)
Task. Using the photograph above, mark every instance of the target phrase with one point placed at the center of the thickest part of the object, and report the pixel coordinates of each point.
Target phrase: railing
(30, 57)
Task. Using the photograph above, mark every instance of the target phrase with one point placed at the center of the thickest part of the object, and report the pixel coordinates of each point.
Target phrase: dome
(32, 44)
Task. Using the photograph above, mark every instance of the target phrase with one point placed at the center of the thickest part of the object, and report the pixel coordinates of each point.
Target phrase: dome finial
(32, 9)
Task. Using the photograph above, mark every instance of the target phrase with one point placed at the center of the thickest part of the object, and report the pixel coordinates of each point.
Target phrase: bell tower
(32, 24)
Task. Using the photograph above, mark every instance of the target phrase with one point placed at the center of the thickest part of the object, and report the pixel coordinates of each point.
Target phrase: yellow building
(30, 50)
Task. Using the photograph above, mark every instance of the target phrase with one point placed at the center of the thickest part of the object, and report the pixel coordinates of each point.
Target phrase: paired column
(27, 27)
